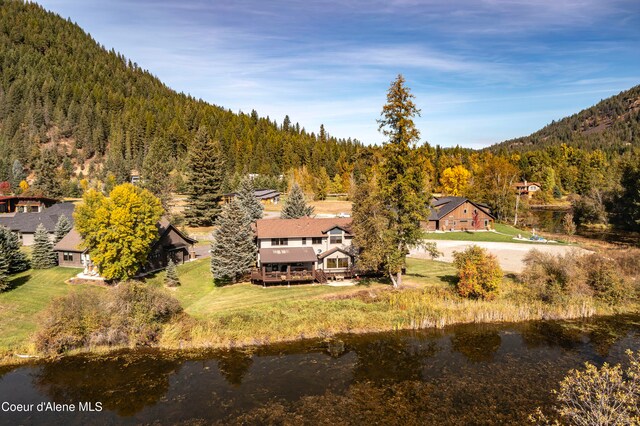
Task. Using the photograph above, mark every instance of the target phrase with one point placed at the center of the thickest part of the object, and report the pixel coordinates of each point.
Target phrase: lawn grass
(503, 234)
(31, 292)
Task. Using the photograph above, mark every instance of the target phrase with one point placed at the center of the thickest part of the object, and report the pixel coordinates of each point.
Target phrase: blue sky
(482, 71)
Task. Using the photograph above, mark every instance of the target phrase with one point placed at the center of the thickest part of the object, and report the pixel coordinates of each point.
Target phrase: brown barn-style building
(171, 244)
(25, 204)
(458, 214)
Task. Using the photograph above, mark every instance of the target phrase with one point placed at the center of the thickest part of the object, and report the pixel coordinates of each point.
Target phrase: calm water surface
(472, 374)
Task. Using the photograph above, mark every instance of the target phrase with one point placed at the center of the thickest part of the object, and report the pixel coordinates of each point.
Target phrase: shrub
(605, 396)
(554, 278)
(479, 274)
(557, 278)
(603, 276)
(130, 314)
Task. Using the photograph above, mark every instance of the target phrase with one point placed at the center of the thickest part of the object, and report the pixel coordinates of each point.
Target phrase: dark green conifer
(63, 226)
(248, 201)
(205, 181)
(42, 256)
(233, 252)
(10, 252)
(295, 206)
(171, 279)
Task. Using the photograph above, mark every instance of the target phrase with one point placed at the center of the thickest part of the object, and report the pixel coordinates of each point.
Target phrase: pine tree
(205, 181)
(17, 175)
(233, 252)
(42, 256)
(295, 206)
(171, 279)
(248, 201)
(63, 226)
(11, 253)
(402, 182)
(5, 264)
(46, 177)
(156, 168)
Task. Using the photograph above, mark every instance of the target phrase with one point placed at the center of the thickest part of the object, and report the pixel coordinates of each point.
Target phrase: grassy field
(504, 234)
(32, 291)
(246, 314)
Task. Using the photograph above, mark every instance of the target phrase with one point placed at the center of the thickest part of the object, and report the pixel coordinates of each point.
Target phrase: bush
(479, 274)
(555, 279)
(605, 396)
(603, 276)
(130, 314)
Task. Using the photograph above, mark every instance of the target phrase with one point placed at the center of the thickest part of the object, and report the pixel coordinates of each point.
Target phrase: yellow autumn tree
(119, 230)
(24, 186)
(454, 180)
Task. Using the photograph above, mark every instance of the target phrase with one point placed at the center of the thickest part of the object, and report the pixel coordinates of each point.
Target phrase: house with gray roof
(24, 224)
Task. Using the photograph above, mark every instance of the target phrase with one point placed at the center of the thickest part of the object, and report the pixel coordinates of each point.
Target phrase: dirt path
(509, 255)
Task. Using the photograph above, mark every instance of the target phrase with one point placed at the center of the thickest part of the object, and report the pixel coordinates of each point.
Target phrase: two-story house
(305, 249)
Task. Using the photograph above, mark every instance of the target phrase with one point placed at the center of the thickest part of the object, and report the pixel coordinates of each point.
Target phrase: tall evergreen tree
(4, 271)
(42, 256)
(63, 226)
(206, 174)
(10, 250)
(248, 201)
(171, 279)
(156, 167)
(233, 252)
(295, 206)
(402, 183)
(46, 177)
(17, 175)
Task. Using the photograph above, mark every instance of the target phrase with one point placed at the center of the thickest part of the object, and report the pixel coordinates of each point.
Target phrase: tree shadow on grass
(17, 282)
(449, 279)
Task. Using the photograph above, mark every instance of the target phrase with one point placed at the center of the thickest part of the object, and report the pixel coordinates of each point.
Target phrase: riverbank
(248, 315)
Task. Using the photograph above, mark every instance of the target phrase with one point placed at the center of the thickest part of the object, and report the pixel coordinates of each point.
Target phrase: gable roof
(165, 226)
(444, 205)
(302, 227)
(70, 242)
(26, 223)
(333, 250)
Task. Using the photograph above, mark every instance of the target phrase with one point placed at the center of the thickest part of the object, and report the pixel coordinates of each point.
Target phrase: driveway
(510, 255)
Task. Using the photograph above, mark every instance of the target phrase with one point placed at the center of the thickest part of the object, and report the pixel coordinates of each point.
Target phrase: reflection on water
(468, 374)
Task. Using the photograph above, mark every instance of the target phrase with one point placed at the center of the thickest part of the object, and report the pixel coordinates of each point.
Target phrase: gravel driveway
(509, 255)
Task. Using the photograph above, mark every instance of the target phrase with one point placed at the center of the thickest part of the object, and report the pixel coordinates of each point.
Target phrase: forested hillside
(67, 102)
(609, 125)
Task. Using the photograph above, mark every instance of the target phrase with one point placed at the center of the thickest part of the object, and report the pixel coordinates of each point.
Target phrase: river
(467, 374)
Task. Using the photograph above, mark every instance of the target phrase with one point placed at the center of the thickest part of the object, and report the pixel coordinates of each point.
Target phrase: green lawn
(32, 291)
(201, 298)
(504, 234)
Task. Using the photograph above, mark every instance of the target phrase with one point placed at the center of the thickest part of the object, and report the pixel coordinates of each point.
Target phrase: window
(279, 241)
(465, 211)
(316, 240)
(304, 241)
(335, 239)
(342, 262)
(67, 256)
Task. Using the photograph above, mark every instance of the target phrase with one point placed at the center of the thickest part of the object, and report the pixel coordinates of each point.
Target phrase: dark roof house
(24, 203)
(25, 224)
(171, 244)
(263, 195)
(458, 213)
